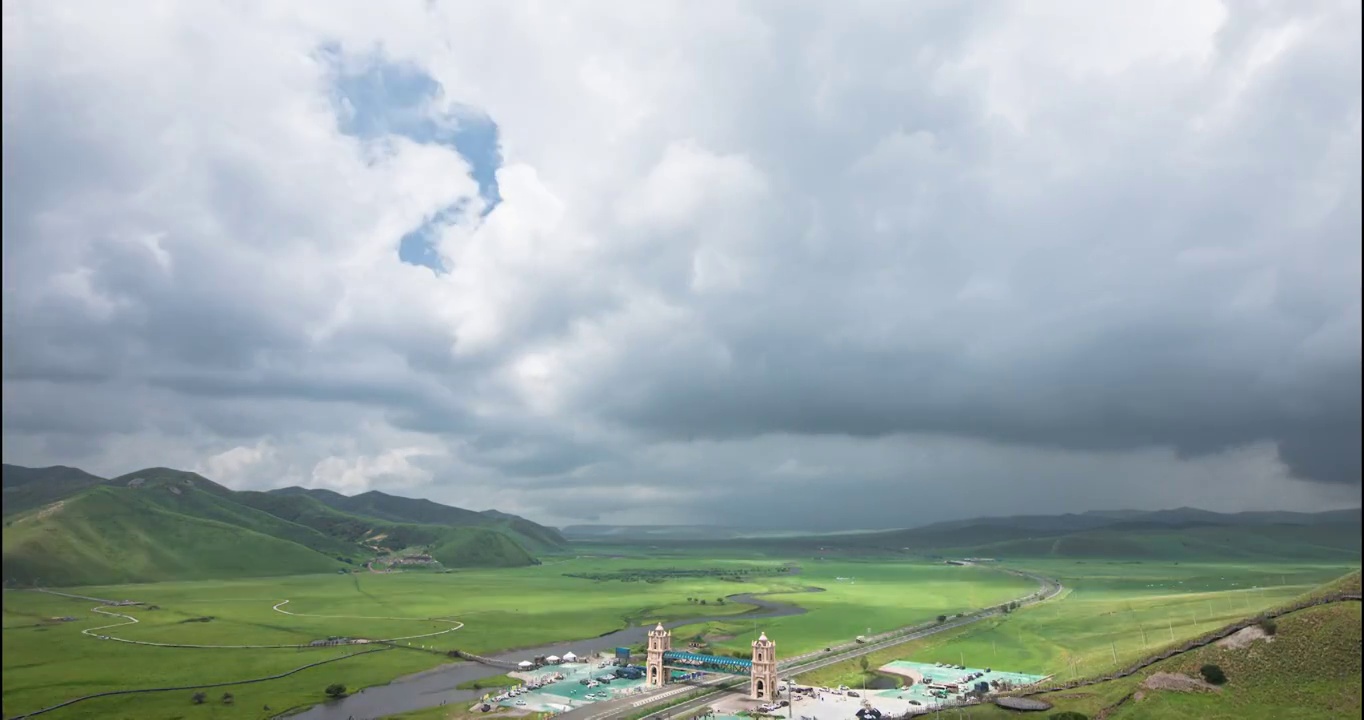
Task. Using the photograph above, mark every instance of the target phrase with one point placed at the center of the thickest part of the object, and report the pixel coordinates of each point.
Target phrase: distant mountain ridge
(64, 526)
(1091, 519)
(1182, 533)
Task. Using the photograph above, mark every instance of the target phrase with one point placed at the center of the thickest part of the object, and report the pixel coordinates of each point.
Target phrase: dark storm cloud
(1105, 339)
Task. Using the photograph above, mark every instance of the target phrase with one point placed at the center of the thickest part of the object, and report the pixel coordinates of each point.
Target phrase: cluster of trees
(335, 690)
(702, 601)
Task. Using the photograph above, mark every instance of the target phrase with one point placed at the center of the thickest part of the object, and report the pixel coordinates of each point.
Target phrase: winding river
(438, 686)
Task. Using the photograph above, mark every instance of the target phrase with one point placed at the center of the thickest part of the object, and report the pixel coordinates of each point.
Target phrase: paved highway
(713, 686)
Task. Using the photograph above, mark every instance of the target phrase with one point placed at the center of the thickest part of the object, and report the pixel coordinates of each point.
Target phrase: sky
(785, 264)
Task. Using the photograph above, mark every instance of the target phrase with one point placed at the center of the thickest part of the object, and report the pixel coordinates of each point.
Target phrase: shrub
(228, 699)
(1068, 715)
(1213, 674)
(942, 618)
(198, 698)
(335, 690)
(1269, 626)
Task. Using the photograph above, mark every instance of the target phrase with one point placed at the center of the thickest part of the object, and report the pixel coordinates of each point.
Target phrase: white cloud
(1029, 252)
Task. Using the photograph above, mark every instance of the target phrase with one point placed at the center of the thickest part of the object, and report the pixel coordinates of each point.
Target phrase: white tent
(552, 659)
(570, 657)
(525, 664)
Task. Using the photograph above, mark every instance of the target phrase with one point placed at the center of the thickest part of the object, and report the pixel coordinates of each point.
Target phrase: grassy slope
(1121, 609)
(412, 511)
(161, 524)
(224, 509)
(1311, 671)
(305, 510)
(454, 547)
(28, 488)
(533, 536)
(112, 535)
(479, 547)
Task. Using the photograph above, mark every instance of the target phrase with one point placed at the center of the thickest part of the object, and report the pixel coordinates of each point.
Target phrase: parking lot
(569, 692)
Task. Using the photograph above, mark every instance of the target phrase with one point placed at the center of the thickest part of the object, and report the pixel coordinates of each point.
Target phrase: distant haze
(777, 265)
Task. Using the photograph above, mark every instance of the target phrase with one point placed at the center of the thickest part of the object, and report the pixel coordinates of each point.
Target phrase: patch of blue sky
(376, 98)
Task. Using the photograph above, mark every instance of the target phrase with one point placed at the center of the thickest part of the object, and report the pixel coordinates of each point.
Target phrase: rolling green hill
(66, 526)
(109, 535)
(479, 547)
(408, 511)
(28, 488)
(1309, 669)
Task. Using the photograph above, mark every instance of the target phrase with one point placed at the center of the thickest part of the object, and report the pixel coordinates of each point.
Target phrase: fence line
(1198, 642)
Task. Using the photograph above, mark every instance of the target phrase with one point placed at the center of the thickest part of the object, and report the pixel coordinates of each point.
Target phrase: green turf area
(1109, 609)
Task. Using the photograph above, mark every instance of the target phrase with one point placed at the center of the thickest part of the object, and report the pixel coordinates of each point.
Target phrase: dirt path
(278, 607)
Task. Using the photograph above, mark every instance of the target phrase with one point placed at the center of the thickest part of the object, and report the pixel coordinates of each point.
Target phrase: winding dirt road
(278, 607)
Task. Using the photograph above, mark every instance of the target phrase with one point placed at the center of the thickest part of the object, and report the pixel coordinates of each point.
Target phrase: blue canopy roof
(708, 659)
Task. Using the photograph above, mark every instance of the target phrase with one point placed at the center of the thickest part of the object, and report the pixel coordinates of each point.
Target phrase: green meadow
(46, 662)
(1110, 608)
(862, 597)
(1310, 670)
(1110, 613)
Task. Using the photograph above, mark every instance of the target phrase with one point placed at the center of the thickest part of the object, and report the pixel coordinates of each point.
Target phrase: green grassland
(46, 662)
(1115, 609)
(876, 595)
(1123, 607)
(1311, 670)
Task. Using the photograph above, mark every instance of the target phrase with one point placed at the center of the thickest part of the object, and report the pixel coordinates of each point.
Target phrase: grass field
(1109, 610)
(1108, 607)
(865, 595)
(1310, 671)
(47, 662)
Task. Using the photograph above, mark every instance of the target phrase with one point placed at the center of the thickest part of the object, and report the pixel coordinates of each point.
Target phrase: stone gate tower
(763, 685)
(660, 641)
